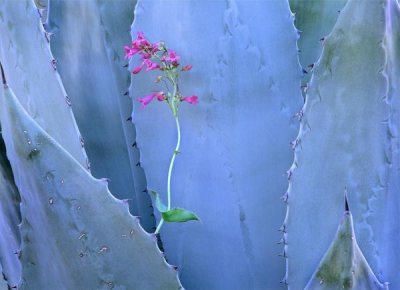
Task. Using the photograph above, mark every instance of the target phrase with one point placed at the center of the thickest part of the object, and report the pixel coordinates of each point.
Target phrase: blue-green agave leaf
(344, 265)
(235, 142)
(3, 283)
(88, 40)
(349, 138)
(10, 239)
(75, 234)
(31, 70)
(314, 20)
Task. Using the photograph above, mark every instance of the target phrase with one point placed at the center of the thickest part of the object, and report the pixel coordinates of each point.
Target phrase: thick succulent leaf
(314, 20)
(343, 265)
(88, 43)
(349, 137)
(234, 150)
(75, 234)
(42, 6)
(3, 283)
(28, 66)
(387, 240)
(10, 240)
(116, 18)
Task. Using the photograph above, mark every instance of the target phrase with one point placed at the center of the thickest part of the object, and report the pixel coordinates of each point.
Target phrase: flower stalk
(171, 166)
(156, 56)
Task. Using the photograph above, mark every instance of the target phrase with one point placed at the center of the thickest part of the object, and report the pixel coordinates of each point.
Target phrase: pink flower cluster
(140, 45)
(155, 56)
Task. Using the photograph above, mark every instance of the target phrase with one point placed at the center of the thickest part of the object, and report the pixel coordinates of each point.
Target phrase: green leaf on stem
(159, 204)
(179, 215)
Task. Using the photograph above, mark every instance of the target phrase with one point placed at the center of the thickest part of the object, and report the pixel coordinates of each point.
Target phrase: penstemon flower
(156, 56)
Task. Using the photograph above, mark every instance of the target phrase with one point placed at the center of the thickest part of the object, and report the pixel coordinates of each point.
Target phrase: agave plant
(298, 103)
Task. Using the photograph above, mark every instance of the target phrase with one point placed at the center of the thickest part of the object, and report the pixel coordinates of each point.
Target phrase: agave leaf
(314, 19)
(234, 142)
(344, 265)
(3, 283)
(116, 18)
(31, 71)
(349, 139)
(88, 42)
(10, 240)
(42, 6)
(75, 234)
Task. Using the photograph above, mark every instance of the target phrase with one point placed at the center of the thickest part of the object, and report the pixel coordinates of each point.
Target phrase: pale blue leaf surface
(344, 265)
(349, 138)
(10, 240)
(314, 19)
(235, 142)
(75, 234)
(3, 283)
(27, 62)
(88, 43)
(116, 19)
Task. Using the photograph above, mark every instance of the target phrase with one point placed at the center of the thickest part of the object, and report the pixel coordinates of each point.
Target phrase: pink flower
(143, 46)
(191, 100)
(129, 52)
(141, 42)
(145, 55)
(156, 47)
(137, 69)
(171, 58)
(150, 65)
(147, 99)
(161, 97)
(187, 67)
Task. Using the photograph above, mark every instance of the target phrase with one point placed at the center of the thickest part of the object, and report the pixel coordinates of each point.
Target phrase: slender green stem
(159, 226)
(171, 165)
